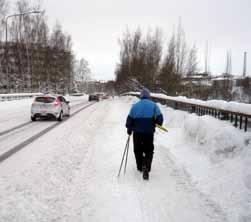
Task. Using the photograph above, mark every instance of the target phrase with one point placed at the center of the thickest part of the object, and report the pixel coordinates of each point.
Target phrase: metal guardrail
(18, 96)
(239, 119)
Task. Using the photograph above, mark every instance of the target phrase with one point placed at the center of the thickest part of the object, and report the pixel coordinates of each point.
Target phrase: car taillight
(57, 102)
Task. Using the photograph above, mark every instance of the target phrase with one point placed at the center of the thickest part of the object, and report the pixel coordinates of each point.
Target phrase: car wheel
(60, 117)
(68, 113)
(33, 118)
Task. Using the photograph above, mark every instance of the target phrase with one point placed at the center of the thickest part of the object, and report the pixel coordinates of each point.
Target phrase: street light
(6, 33)
(18, 14)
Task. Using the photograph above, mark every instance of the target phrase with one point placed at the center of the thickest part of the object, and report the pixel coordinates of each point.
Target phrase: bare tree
(61, 62)
(36, 59)
(23, 36)
(82, 74)
(192, 62)
(169, 79)
(139, 58)
(153, 57)
(180, 50)
(3, 12)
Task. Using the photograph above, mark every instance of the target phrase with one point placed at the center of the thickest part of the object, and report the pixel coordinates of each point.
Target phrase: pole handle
(161, 128)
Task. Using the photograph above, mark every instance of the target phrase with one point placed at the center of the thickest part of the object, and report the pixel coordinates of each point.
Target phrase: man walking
(141, 121)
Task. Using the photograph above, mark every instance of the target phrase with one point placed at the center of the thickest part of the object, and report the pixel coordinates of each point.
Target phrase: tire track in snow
(95, 178)
(84, 174)
(15, 128)
(30, 122)
(23, 144)
(41, 188)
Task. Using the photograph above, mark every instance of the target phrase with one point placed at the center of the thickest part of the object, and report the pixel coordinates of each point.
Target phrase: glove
(129, 132)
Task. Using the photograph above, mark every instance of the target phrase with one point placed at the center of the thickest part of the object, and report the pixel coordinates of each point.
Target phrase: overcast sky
(96, 26)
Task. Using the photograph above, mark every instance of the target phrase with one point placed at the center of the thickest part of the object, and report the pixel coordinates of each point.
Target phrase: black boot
(139, 159)
(145, 170)
(149, 158)
(139, 169)
(145, 173)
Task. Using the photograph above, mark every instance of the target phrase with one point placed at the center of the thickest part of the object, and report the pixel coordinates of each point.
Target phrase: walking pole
(126, 154)
(127, 143)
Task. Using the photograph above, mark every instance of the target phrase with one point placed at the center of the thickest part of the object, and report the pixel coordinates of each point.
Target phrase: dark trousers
(143, 150)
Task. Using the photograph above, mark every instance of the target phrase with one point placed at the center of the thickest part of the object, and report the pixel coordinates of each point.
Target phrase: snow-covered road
(14, 113)
(15, 137)
(70, 173)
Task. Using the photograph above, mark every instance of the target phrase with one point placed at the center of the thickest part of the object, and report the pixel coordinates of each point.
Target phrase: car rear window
(45, 99)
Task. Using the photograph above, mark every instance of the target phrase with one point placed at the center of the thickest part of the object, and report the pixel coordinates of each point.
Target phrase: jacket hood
(145, 94)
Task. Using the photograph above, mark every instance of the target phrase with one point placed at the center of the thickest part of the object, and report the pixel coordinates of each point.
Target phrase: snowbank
(218, 104)
(215, 138)
(215, 155)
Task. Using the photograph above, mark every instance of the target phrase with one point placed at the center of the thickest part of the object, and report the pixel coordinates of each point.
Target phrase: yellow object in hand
(162, 128)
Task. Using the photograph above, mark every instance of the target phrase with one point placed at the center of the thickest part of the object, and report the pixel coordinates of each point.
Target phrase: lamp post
(6, 38)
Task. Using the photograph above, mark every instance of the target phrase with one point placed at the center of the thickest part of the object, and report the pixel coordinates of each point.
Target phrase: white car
(50, 106)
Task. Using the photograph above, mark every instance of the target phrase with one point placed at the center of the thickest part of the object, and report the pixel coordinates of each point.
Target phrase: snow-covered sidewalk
(70, 174)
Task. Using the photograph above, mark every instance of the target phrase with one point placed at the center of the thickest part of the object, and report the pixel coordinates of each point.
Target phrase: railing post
(193, 109)
(246, 124)
(236, 120)
(240, 122)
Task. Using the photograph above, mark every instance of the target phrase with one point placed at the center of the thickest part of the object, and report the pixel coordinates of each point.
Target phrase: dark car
(93, 97)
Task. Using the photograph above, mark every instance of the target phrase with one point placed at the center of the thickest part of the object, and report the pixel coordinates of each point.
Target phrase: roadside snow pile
(215, 155)
(216, 138)
(173, 118)
(218, 104)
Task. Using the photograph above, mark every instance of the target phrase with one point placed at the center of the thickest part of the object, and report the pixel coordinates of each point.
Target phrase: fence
(17, 96)
(239, 119)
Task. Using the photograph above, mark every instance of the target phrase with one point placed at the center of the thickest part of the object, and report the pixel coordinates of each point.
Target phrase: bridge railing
(239, 119)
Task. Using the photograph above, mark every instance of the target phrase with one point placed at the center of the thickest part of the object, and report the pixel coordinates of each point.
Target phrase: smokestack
(245, 64)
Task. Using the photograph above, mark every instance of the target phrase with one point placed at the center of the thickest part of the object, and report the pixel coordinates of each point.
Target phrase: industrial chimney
(245, 65)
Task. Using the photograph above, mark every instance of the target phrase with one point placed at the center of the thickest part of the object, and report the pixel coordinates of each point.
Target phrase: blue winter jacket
(143, 116)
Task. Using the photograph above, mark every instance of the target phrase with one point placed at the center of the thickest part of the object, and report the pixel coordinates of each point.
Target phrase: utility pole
(245, 65)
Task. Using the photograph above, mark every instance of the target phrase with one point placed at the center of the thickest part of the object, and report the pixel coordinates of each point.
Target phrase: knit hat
(145, 94)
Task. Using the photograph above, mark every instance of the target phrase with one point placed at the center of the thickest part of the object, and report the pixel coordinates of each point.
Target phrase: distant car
(94, 97)
(105, 96)
(50, 106)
